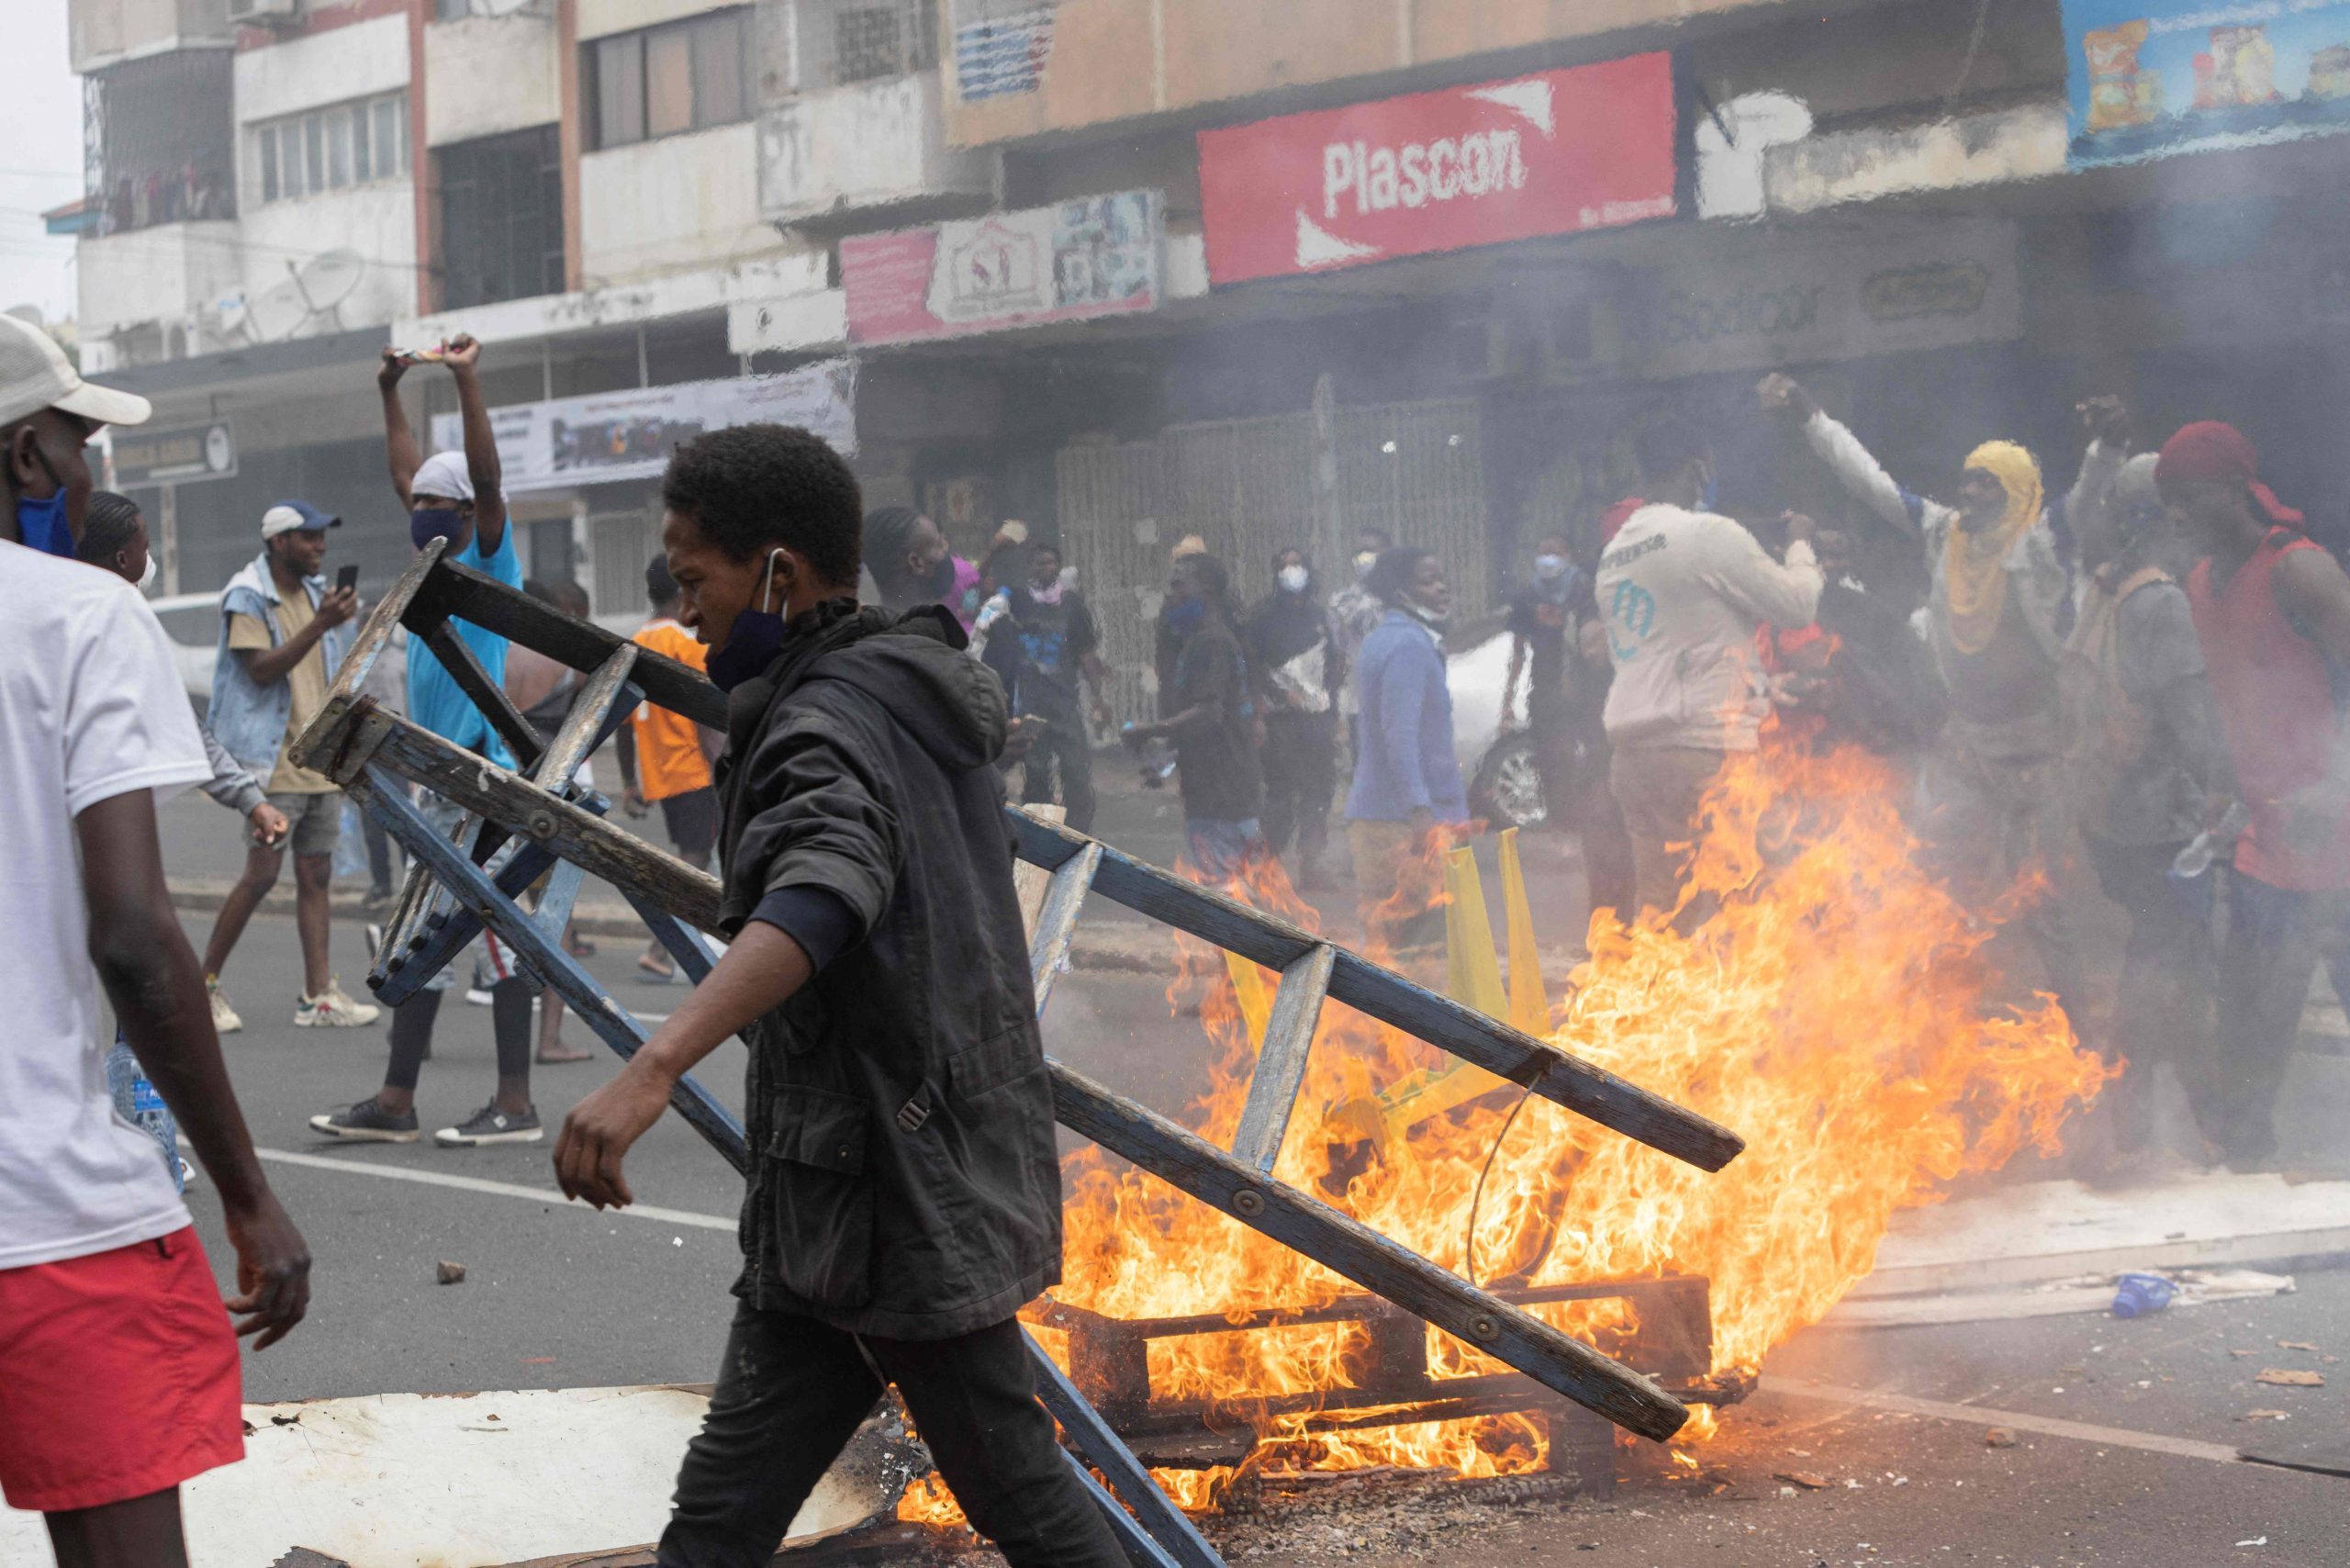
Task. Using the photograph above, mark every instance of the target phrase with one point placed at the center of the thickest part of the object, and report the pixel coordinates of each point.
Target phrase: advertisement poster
(1557, 152)
(1096, 256)
(147, 455)
(2149, 79)
(629, 434)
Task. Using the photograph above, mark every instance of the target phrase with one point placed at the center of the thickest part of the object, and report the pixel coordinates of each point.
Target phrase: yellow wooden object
(1529, 1007)
(1248, 986)
(1473, 975)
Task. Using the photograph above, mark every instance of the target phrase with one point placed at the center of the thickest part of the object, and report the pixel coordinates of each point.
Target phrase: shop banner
(146, 455)
(1891, 288)
(608, 436)
(1097, 257)
(1589, 147)
(2153, 77)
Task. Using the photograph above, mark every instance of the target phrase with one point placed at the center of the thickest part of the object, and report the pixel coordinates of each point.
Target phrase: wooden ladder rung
(1281, 1061)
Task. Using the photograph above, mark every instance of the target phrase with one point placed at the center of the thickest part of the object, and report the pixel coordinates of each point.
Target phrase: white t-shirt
(90, 708)
(1682, 594)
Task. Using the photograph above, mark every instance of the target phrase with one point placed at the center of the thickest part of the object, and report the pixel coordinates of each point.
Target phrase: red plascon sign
(1589, 147)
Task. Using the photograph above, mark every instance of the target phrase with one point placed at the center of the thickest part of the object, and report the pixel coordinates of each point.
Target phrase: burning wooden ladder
(521, 825)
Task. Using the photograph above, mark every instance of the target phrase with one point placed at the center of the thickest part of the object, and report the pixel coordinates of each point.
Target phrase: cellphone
(346, 580)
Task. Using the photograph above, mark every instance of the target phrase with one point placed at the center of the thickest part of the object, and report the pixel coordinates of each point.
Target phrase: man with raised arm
(1992, 803)
(119, 1374)
(458, 498)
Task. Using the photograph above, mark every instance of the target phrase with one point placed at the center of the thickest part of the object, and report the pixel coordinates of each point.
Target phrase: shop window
(680, 76)
(501, 218)
(160, 140)
(871, 42)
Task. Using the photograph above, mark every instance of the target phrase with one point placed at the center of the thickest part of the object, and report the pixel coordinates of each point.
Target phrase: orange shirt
(669, 759)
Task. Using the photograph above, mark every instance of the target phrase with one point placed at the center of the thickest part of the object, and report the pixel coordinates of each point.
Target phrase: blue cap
(293, 517)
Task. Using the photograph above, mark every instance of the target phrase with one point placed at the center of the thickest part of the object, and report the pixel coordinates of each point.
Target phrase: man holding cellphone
(283, 633)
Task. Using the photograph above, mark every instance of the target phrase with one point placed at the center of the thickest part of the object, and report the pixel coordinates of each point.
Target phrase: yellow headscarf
(1975, 565)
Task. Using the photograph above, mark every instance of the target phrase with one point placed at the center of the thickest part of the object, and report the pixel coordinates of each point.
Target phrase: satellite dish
(327, 279)
(277, 312)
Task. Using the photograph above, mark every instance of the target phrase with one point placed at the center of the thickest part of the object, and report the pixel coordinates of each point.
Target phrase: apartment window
(685, 75)
(501, 218)
(331, 149)
(871, 42)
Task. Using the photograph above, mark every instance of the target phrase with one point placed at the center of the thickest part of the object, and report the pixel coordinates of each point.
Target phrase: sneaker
(379, 897)
(489, 1125)
(224, 1017)
(366, 1123)
(330, 1009)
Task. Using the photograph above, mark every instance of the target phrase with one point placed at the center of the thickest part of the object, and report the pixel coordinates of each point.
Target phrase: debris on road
(2290, 1377)
(2265, 1416)
(449, 1273)
(1999, 1438)
(1804, 1479)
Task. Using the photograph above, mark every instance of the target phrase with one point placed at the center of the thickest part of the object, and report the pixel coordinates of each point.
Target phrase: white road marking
(1977, 1415)
(542, 1195)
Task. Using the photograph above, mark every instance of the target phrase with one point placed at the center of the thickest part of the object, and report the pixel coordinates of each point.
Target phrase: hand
(632, 802)
(272, 1272)
(1800, 527)
(461, 354)
(389, 374)
(1781, 394)
(269, 824)
(1102, 714)
(597, 1135)
(2107, 420)
(337, 606)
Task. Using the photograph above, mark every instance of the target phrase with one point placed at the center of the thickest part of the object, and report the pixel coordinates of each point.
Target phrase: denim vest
(248, 718)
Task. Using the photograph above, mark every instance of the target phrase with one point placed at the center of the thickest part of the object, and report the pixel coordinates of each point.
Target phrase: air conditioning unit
(264, 13)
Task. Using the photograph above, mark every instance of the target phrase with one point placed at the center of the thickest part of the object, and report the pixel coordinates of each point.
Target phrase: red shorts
(118, 1376)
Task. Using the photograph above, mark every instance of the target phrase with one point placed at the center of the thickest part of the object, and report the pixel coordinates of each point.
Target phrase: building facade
(1133, 269)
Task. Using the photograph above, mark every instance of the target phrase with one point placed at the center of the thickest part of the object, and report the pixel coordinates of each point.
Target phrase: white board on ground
(2040, 1231)
(442, 1481)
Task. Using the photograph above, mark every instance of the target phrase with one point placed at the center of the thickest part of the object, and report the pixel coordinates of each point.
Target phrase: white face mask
(1364, 562)
(1549, 565)
(1291, 578)
(147, 578)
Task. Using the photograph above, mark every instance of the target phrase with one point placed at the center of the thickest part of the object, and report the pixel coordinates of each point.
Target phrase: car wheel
(1508, 788)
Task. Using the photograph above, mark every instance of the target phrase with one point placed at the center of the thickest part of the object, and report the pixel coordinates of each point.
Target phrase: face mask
(1364, 562)
(1185, 618)
(429, 523)
(1049, 594)
(1433, 619)
(147, 578)
(1550, 567)
(755, 640)
(1291, 578)
(43, 524)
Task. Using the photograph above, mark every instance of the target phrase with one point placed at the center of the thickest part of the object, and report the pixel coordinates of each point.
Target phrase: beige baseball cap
(36, 374)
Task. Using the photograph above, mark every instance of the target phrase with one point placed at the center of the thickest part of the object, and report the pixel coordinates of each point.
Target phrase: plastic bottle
(2138, 1294)
(136, 1102)
(2196, 858)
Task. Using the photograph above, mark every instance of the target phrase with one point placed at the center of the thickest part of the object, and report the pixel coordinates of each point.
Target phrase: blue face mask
(428, 523)
(753, 642)
(1184, 619)
(43, 525)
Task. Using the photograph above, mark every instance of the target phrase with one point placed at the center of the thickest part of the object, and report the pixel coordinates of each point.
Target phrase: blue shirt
(1406, 760)
(435, 700)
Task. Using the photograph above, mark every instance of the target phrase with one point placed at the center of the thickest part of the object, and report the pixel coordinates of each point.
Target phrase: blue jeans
(136, 1102)
(2275, 937)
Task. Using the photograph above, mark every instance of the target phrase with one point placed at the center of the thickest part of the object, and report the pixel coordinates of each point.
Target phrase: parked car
(1504, 783)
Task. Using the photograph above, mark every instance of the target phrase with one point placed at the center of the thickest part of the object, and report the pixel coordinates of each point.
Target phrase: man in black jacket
(904, 1198)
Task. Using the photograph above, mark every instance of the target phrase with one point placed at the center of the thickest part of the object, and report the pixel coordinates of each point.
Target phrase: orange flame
(1836, 1012)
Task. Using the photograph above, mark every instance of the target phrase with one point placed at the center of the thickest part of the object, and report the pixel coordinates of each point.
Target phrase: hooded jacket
(904, 1179)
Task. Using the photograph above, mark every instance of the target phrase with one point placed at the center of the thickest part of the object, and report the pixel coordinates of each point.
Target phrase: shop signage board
(145, 456)
(2149, 78)
(1832, 294)
(1556, 152)
(1102, 256)
(629, 434)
